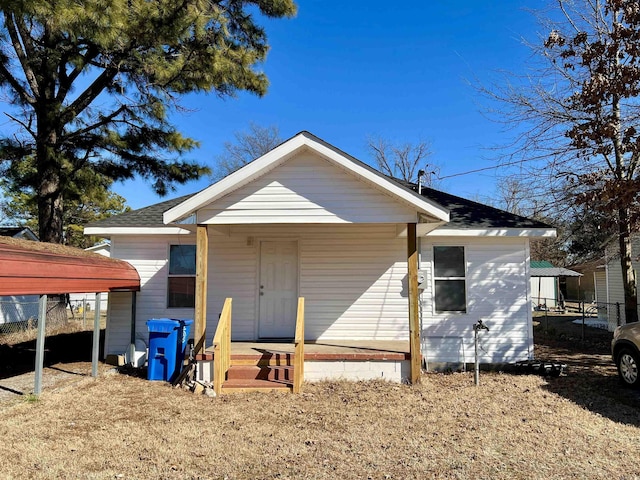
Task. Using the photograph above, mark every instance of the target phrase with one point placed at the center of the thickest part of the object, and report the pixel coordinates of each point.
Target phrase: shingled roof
(150, 216)
(463, 213)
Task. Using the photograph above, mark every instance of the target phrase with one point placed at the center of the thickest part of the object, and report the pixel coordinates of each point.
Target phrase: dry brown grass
(583, 425)
(509, 427)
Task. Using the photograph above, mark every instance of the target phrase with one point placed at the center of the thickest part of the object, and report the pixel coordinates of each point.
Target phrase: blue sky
(346, 71)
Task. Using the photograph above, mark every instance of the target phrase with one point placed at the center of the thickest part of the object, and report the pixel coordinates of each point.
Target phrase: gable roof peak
(284, 152)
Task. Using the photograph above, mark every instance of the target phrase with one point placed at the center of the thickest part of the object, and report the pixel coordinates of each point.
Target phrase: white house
(308, 220)
(609, 287)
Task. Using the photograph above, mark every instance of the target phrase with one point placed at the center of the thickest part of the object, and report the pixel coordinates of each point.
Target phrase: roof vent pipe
(420, 175)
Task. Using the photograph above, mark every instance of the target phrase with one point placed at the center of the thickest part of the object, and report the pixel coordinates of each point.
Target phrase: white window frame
(452, 278)
(178, 275)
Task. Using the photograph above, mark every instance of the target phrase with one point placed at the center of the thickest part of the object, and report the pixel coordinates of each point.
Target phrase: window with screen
(181, 291)
(449, 272)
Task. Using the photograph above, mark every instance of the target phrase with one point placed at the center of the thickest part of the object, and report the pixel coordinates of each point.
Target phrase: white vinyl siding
(306, 189)
(353, 278)
(149, 255)
(600, 285)
(614, 277)
(616, 289)
(497, 293)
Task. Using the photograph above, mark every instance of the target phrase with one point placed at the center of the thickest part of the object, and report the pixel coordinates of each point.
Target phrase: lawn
(583, 425)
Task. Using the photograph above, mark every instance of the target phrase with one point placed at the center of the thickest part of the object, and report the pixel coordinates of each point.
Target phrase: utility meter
(421, 279)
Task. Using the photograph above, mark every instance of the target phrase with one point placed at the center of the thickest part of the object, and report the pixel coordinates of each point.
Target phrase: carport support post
(202, 259)
(42, 319)
(132, 338)
(414, 319)
(96, 337)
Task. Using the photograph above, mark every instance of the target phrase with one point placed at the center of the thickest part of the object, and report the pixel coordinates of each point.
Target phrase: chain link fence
(577, 321)
(19, 316)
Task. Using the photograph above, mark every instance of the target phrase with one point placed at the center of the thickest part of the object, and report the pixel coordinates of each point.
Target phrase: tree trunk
(48, 158)
(50, 207)
(628, 274)
(50, 204)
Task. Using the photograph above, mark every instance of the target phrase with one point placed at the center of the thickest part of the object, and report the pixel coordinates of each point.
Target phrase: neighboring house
(549, 284)
(613, 272)
(592, 286)
(18, 308)
(24, 233)
(78, 300)
(308, 220)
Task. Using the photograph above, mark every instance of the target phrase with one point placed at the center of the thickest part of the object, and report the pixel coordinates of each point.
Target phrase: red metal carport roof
(28, 267)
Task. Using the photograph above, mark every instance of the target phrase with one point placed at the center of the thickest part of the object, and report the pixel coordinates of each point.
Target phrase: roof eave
(494, 232)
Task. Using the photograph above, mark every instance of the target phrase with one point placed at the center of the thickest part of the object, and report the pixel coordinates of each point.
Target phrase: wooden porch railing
(298, 358)
(222, 347)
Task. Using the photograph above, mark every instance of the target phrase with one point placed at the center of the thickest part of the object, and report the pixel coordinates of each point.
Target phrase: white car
(625, 350)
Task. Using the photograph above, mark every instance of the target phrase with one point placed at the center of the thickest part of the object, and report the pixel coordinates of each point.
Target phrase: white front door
(278, 289)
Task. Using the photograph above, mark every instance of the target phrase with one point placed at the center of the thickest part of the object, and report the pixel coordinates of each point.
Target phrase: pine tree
(92, 84)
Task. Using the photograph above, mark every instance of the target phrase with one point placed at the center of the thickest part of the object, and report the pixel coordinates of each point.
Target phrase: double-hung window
(181, 290)
(450, 279)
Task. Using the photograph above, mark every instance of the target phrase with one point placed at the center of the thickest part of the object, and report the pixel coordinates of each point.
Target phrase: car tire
(628, 363)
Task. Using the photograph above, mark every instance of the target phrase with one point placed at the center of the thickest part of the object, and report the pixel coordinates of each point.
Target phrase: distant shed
(547, 283)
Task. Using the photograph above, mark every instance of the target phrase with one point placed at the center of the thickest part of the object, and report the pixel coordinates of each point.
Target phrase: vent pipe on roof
(420, 175)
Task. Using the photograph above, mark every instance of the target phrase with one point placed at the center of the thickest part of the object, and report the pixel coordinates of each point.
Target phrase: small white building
(308, 220)
(79, 300)
(548, 283)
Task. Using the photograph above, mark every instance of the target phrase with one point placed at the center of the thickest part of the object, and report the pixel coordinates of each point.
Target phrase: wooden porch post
(414, 322)
(202, 259)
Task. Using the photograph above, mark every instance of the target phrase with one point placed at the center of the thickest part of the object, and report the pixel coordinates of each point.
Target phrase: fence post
(96, 337)
(582, 308)
(618, 313)
(546, 319)
(42, 320)
(84, 312)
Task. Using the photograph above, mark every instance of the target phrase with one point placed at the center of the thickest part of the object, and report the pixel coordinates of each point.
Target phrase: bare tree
(403, 160)
(512, 196)
(577, 114)
(248, 145)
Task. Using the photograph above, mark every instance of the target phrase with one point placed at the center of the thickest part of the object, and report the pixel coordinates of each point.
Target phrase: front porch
(270, 365)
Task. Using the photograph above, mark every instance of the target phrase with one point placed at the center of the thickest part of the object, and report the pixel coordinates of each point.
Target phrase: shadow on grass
(591, 380)
(61, 348)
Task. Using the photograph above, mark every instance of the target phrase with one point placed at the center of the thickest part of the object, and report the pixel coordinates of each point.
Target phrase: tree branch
(88, 95)
(29, 75)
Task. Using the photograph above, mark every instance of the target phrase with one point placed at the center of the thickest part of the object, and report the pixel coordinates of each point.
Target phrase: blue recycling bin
(164, 337)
